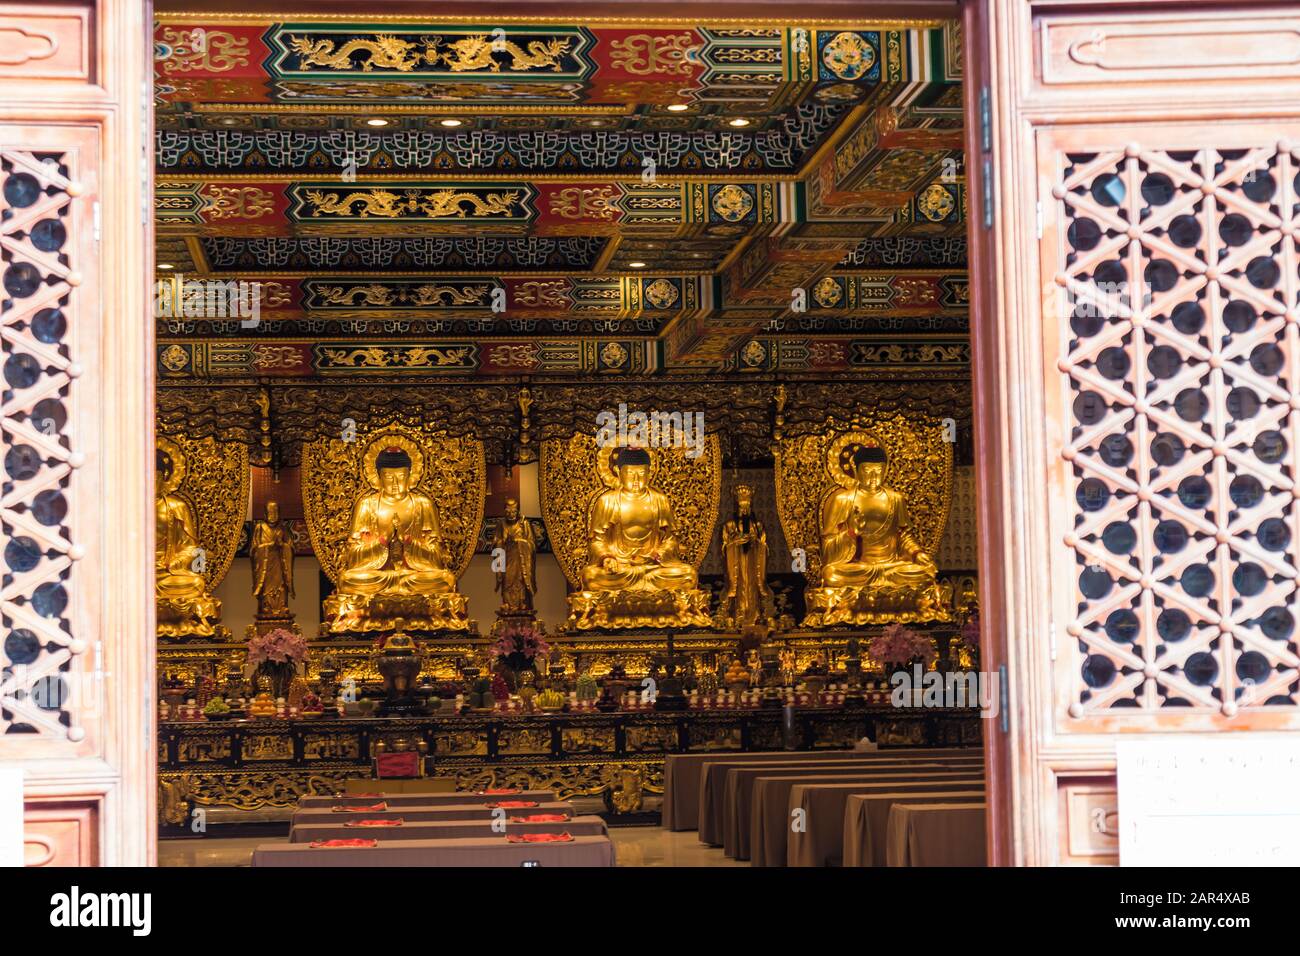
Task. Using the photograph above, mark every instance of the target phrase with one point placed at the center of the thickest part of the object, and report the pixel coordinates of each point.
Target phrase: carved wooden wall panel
(1175, 337)
(1137, 298)
(76, 355)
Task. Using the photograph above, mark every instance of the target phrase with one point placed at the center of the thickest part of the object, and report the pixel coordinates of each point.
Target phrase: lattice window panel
(43, 685)
(1176, 336)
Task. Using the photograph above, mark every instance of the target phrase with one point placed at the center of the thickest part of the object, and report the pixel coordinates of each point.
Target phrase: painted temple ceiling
(549, 198)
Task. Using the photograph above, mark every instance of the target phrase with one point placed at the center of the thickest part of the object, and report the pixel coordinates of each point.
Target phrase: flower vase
(277, 676)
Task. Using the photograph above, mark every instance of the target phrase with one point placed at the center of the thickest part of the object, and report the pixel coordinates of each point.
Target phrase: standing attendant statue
(748, 600)
(271, 551)
(517, 580)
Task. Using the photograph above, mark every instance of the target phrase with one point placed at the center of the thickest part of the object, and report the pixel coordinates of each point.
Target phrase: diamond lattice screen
(1179, 273)
(37, 683)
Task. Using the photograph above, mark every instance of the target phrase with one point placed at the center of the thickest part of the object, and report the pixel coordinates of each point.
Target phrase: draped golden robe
(271, 551)
(175, 549)
(395, 547)
(744, 546)
(518, 582)
(634, 544)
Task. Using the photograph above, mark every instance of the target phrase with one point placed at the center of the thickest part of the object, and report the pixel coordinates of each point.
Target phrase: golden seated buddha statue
(185, 608)
(395, 564)
(635, 576)
(873, 570)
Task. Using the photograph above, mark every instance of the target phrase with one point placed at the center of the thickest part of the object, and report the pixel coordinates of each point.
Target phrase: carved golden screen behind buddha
(212, 478)
(919, 467)
(574, 472)
(450, 470)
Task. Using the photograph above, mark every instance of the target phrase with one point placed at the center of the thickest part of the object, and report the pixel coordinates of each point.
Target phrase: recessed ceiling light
(451, 122)
(677, 107)
(739, 121)
(595, 122)
(165, 265)
(636, 265)
(229, 120)
(377, 121)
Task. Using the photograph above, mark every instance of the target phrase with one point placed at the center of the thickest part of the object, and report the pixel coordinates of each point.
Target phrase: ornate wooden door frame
(1137, 545)
(75, 138)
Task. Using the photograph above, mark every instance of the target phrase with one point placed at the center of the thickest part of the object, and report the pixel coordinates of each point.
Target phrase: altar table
(426, 814)
(866, 819)
(443, 830)
(771, 809)
(469, 851)
(936, 834)
(421, 799)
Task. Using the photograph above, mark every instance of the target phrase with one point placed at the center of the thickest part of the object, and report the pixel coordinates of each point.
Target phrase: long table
(739, 820)
(426, 814)
(866, 819)
(936, 834)
(469, 851)
(444, 830)
(821, 841)
(712, 784)
(681, 803)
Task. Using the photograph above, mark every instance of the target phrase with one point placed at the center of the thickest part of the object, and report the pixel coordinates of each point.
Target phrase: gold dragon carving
(475, 53)
(468, 54)
(443, 204)
(382, 295)
(385, 51)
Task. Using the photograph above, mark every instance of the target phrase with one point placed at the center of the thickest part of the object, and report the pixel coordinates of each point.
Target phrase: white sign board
(11, 816)
(1227, 799)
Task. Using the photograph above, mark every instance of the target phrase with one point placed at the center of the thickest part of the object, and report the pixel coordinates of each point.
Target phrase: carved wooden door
(76, 515)
(1138, 389)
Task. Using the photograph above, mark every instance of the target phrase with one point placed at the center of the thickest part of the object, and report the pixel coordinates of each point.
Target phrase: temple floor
(634, 846)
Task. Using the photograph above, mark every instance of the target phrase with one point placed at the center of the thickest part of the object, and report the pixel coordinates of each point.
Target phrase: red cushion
(404, 764)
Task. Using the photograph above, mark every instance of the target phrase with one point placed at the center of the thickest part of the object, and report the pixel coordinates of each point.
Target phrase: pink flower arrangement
(897, 644)
(522, 639)
(280, 646)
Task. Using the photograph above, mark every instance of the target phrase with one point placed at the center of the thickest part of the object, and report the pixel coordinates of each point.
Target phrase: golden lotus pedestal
(380, 613)
(828, 607)
(623, 610)
(195, 618)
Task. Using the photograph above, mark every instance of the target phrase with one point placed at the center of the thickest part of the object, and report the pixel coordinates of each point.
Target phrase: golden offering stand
(867, 502)
(630, 528)
(394, 516)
